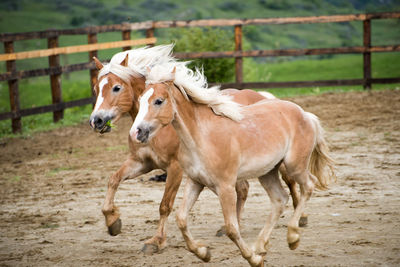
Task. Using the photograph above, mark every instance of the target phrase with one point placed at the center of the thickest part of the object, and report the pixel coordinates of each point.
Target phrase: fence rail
(12, 76)
(74, 49)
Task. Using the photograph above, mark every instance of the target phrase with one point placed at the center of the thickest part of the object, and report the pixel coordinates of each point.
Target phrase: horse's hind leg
(293, 192)
(190, 195)
(228, 197)
(174, 178)
(242, 190)
(306, 188)
(279, 198)
(129, 169)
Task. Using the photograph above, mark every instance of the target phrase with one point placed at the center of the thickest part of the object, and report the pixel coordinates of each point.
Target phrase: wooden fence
(55, 70)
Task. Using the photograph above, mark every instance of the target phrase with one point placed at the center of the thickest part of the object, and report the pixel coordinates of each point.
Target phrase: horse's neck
(137, 86)
(185, 120)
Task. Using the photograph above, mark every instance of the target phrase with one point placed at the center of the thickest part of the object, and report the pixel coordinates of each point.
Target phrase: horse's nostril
(98, 121)
(142, 134)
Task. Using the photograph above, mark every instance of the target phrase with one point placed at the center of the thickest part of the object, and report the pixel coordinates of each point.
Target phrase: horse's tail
(321, 164)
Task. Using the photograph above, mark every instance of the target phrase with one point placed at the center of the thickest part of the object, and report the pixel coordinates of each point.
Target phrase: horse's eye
(116, 88)
(158, 101)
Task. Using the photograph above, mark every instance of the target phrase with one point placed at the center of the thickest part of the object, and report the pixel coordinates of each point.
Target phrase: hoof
(208, 256)
(303, 221)
(115, 228)
(294, 245)
(204, 254)
(221, 232)
(150, 249)
(257, 260)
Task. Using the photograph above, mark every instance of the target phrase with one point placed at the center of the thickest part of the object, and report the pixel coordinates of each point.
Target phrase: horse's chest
(195, 169)
(148, 154)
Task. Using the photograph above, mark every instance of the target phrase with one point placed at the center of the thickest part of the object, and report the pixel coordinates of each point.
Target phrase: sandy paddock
(53, 185)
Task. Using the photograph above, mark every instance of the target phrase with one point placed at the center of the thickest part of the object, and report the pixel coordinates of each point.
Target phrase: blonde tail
(321, 164)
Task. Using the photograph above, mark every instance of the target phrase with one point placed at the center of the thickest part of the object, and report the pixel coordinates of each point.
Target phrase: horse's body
(160, 153)
(218, 152)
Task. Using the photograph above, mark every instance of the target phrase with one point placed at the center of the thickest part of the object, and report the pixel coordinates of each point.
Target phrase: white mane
(194, 84)
(138, 60)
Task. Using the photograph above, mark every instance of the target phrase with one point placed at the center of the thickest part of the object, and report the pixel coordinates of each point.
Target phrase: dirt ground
(52, 187)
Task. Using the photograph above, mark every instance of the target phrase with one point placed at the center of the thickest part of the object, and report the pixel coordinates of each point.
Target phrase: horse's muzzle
(99, 123)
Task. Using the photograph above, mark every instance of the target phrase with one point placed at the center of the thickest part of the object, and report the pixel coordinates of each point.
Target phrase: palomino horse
(118, 87)
(119, 84)
(222, 143)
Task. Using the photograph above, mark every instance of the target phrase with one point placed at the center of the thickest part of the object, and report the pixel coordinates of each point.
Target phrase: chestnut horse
(223, 143)
(119, 84)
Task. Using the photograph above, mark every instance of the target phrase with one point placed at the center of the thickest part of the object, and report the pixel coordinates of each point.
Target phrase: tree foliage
(207, 39)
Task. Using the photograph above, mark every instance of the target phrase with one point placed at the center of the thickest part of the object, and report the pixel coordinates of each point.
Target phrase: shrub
(207, 39)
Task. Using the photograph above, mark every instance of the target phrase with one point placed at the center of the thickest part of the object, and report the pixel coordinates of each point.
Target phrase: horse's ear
(148, 69)
(125, 61)
(173, 73)
(98, 64)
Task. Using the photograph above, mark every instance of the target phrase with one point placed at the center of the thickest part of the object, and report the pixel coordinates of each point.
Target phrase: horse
(117, 88)
(223, 143)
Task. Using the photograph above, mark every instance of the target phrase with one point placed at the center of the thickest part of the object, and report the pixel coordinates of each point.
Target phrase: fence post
(238, 60)
(92, 39)
(13, 90)
(126, 35)
(150, 34)
(55, 80)
(367, 55)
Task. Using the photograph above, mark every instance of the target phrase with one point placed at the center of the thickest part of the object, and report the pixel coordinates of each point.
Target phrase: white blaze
(143, 109)
(100, 98)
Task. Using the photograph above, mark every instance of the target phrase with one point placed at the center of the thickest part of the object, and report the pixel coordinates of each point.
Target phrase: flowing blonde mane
(161, 62)
(194, 84)
(138, 60)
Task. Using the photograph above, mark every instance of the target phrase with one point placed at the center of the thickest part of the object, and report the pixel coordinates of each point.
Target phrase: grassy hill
(28, 15)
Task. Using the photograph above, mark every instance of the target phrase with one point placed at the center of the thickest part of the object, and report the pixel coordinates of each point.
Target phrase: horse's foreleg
(190, 195)
(129, 169)
(227, 197)
(242, 190)
(174, 178)
(279, 198)
(294, 193)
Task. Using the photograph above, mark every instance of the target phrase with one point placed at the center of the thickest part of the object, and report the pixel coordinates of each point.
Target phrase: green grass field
(384, 65)
(36, 91)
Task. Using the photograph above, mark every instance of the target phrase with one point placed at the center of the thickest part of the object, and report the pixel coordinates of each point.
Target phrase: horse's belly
(256, 167)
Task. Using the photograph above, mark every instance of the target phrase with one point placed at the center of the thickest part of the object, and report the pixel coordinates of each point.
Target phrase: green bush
(207, 39)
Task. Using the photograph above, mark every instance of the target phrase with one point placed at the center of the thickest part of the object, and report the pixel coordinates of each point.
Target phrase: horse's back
(274, 109)
(245, 96)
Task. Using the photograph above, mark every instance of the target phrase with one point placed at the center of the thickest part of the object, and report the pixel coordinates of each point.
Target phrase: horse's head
(114, 96)
(155, 110)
